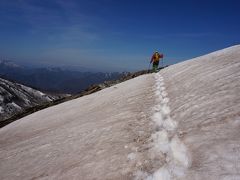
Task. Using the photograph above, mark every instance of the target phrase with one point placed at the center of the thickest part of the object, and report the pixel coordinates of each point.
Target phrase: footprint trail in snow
(166, 144)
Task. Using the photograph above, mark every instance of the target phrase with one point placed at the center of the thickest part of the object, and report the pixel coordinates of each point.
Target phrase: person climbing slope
(155, 60)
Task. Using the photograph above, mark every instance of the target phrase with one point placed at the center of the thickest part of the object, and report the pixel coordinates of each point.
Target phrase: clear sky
(114, 34)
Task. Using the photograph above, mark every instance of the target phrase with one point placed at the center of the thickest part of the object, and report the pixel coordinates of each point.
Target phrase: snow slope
(181, 123)
(94, 137)
(204, 98)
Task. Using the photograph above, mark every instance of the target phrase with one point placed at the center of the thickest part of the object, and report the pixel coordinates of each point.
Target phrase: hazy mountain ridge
(9, 64)
(55, 80)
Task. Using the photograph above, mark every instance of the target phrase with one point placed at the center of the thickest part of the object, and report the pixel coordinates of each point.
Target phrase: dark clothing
(155, 66)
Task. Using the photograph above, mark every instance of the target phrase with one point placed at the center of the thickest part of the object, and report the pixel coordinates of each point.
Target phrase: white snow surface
(204, 98)
(181, 123)
(99, 136)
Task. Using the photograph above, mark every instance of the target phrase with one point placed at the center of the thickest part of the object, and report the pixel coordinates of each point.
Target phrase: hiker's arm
(151, 59)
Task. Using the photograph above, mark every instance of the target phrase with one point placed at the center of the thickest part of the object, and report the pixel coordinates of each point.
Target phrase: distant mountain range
(15, 98)
(55, 80)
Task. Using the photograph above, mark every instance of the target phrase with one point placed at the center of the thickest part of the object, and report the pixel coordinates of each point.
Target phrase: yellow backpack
(157, 57)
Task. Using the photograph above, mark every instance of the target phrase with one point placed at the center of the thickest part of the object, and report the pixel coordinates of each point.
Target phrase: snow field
(99, 136)
(165, 141)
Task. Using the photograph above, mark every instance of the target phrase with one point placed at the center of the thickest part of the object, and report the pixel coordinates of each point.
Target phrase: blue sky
(114, 35)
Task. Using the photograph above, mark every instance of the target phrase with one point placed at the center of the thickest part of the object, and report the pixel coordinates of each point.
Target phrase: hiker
(155, 60)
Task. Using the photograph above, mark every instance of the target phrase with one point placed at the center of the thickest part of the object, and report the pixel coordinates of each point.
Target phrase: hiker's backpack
(157, 56)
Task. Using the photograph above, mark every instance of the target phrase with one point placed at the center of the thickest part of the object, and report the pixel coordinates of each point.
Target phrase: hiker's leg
(157, 65)
(154, 68)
